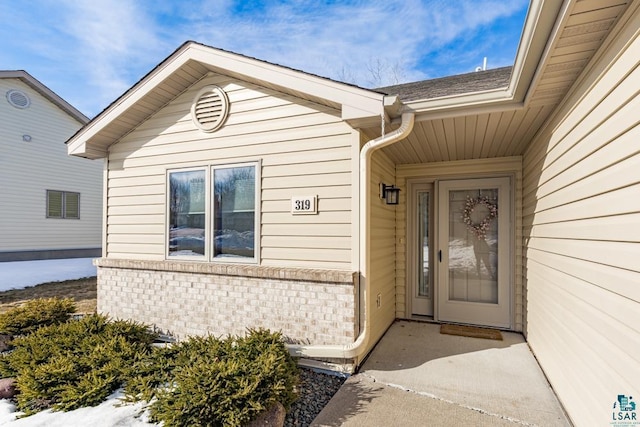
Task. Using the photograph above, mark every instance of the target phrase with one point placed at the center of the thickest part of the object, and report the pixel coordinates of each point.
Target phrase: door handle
(440, 255)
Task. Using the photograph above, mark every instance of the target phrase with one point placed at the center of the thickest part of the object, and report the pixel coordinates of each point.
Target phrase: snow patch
(111, 412)
(22, 274)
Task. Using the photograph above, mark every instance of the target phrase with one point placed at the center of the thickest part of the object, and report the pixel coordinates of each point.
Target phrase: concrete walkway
(417, 377)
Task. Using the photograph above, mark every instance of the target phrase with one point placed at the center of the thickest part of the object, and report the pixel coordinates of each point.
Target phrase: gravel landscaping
(315, 391)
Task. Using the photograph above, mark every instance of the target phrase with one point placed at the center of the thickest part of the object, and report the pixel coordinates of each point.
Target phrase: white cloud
(115, 41)
(91, 51)
(321, 40)
(343, 39)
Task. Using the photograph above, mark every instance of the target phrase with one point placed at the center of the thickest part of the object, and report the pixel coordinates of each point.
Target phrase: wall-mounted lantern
(389, 193)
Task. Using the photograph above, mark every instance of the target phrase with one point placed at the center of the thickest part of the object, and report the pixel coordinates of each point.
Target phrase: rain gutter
(359, 346)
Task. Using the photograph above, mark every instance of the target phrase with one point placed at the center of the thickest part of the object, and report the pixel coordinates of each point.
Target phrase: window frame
(256, 214)
(204, 257)
(63, 202)
(210, 213)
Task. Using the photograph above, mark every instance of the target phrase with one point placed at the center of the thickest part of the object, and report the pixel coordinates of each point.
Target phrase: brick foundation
(186, 298)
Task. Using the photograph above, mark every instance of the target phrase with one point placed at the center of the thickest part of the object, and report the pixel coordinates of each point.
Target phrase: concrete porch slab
(416, 376)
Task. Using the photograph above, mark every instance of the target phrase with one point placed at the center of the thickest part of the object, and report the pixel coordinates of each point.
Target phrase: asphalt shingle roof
(452, 85)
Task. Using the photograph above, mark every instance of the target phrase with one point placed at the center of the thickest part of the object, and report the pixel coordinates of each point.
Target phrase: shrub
(203, 381)
(206, 381)
(74, 364)
(33, 314)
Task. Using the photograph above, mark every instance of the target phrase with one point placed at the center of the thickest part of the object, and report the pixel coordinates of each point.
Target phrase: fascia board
(541, 26)
(77, 144)
(461, 102)
(43, 90)
(356, 102)
(78, 148)
(475, 109)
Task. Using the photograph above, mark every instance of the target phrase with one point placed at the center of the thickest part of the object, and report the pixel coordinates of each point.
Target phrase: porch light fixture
(389, 193)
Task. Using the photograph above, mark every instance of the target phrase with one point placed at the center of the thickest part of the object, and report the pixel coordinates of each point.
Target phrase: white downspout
(355, 349)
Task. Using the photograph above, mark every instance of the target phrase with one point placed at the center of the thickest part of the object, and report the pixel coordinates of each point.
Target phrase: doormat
(471, 331)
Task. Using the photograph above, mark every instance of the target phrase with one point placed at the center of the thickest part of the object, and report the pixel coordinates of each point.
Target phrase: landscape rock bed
(314, 391)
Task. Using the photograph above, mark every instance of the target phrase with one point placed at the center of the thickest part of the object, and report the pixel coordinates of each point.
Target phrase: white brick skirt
(184, 298)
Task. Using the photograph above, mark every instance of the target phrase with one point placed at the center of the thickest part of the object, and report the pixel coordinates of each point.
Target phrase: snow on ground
(21, 274)
(108, 414)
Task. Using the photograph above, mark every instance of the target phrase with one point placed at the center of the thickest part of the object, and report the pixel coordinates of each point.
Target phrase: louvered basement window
(63, 204)
(210, 108)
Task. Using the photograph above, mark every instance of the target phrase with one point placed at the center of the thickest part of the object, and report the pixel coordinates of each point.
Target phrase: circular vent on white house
(210, 108)
(18, 99)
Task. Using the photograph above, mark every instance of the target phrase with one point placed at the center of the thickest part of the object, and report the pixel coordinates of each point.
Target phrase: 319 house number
(301, 205)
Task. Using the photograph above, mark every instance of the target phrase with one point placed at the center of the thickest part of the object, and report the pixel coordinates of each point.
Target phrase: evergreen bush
(202, 381)
(206, 381)
(74, 364)
(33, 314)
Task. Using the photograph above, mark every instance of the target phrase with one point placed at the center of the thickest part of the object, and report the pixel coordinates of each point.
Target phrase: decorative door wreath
(480, 229)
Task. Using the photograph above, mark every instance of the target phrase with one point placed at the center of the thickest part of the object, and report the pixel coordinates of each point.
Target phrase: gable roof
(191, 62)
(43, 90)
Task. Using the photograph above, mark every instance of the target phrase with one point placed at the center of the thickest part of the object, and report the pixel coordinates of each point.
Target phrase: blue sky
(90, 51)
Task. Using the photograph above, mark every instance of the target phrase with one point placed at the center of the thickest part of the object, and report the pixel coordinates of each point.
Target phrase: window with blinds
(63, 204)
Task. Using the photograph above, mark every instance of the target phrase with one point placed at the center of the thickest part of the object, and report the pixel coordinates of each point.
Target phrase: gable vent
(210, 108)
(18, 99)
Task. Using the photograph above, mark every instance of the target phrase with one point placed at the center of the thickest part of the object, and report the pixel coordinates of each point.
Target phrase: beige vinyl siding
(382, 249)
(29, 169)
(429, 172)
(581, 216)
(305, 150)
(403, 287)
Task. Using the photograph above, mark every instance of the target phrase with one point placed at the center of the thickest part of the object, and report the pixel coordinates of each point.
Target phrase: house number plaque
(301, 205)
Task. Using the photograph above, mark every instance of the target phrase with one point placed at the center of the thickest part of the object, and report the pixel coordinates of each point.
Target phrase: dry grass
(83, 292)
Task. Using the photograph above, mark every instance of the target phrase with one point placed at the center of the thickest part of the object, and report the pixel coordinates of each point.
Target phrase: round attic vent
(18, 99)
(210, 108)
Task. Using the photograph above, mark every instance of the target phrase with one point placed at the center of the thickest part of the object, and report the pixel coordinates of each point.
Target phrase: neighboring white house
(51, 203)
(245, 194)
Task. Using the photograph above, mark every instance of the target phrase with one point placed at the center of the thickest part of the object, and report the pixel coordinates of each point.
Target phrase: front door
(473, 252)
